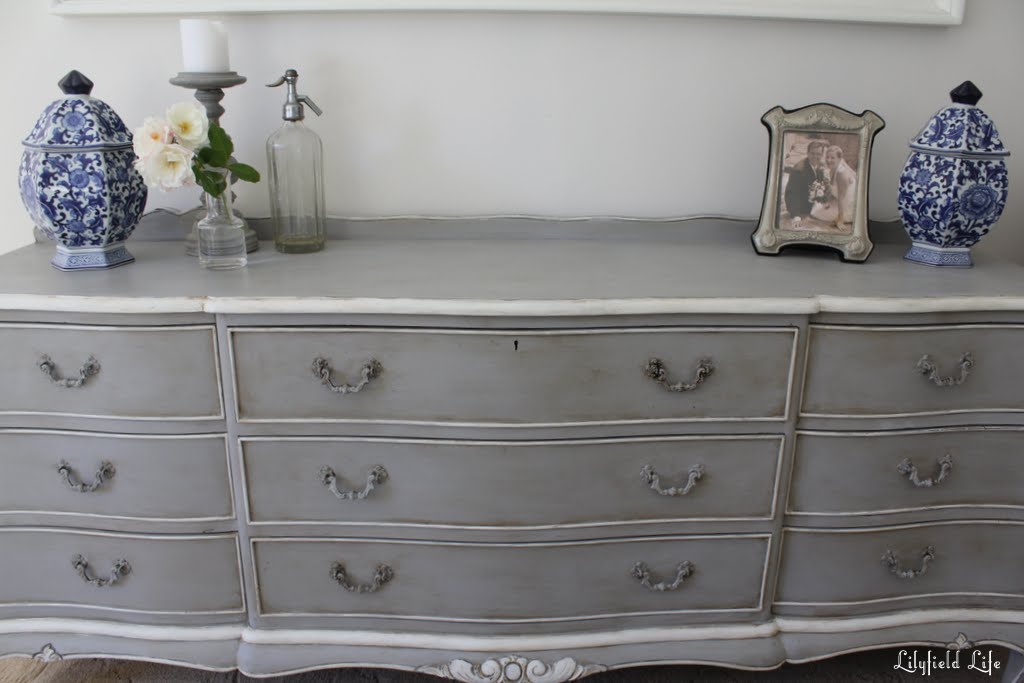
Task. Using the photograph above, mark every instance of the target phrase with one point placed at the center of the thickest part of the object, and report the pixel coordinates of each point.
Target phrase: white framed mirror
(927, 12)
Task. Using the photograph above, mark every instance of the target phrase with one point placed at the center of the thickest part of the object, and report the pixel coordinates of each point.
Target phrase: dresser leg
(1014, 672)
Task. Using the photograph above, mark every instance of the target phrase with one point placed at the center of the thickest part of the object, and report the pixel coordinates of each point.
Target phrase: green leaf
(213, 157)
(212, 183)
(221, 141)
(245, 172)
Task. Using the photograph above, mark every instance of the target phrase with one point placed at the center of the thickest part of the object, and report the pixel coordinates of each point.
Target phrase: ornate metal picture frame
(816, 193)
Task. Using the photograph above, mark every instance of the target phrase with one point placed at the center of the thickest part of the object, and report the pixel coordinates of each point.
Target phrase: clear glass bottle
(221, 234)
(295, 159)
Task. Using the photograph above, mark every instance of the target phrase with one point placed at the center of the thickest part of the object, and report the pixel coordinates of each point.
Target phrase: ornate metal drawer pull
(908, 470)
(104, 474)
(655, 369)
(90, 368)
(927, 366)
(378, 475)
(653, 479)
(322, 369)
(642, 574)
(120, 570)
(382, 576)
(890, 560)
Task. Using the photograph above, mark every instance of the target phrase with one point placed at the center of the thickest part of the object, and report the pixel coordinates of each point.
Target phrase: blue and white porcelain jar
(954, 184)
(78, 180)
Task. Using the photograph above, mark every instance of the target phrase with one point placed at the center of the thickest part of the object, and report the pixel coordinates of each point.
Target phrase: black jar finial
(75, 83)
(965, 93)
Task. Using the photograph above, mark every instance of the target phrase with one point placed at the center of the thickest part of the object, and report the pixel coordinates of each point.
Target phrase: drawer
(484, 483)
(976, 562)
(510, 377)
(120, 572)
(128, 477)
(509, 582)
(897, 371)
(133, 373)
(862, 473)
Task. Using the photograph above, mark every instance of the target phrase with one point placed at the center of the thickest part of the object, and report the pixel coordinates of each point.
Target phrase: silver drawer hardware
(655, 369)
(642, 574)
(120, 570)
(383, 575)
(890, 560)
(377, 475)
(322, 369)
(90, 368)
(105, 473)
(653, 479)
(927, 366)
(908, 470)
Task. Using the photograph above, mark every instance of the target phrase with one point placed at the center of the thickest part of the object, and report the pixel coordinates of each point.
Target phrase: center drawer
(177, 478)
(506, 484)
(514, 582)
(529, 377)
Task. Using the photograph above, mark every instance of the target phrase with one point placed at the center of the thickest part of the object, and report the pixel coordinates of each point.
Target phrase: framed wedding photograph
(816, 193)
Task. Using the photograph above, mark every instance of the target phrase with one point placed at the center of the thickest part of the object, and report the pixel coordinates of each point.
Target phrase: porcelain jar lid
(78, 122)
(961, 129)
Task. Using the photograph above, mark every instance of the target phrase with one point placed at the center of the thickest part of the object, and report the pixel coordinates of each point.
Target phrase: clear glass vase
(221, 234)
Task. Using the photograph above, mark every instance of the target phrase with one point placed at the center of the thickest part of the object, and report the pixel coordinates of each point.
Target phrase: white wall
(547, 114)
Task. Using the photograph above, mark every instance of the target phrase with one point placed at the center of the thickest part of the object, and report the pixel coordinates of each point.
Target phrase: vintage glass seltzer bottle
(295, 159)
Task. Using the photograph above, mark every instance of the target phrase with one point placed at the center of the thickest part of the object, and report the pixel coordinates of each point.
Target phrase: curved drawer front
(894, 371)
(113, 372)
(861, 473)
(508, 582)
(121, 572)
(507, 484)
(510, 377)
(129, 477)
(877, 567)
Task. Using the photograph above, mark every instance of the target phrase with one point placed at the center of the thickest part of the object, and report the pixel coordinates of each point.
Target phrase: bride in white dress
(844, 187)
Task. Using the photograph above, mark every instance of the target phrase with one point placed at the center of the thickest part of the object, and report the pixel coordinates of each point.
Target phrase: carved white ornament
(513, 669)
(961, 643)
(48, 654)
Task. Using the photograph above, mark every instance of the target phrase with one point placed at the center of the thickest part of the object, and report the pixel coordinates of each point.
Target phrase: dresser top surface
(714, 270)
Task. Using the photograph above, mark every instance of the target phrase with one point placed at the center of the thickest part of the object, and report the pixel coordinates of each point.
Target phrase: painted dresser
(510, 451)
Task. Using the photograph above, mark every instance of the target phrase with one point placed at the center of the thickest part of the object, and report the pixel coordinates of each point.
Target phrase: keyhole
(515, 344)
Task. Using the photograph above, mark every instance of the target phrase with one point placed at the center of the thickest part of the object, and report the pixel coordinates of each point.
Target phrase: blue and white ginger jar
(78, 180)
(954, 184)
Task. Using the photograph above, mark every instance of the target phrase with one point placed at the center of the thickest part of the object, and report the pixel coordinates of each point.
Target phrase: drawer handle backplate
(890, 560)
(322, 370)
(381, 576)
(653, 479)
(908, 470)
(642, 573)
(89, 368)
(926, 366)
(378, 475)
(104, 474)
(120, 570)
(655, 369)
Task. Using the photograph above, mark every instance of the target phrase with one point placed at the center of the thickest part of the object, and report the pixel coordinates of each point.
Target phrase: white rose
(189, 123)
(168, 168)
(151, 136)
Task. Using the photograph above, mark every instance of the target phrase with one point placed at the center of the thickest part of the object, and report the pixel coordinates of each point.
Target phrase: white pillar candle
(204, 46)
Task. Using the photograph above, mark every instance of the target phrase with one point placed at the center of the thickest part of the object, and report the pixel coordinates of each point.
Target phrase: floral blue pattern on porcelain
(78, 182)
(954, 185)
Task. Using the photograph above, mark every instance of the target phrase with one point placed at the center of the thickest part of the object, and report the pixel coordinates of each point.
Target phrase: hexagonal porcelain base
(91, 258)
(947, 257)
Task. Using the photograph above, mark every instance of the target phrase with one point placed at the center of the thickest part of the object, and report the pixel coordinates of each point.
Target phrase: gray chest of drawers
(612, 453)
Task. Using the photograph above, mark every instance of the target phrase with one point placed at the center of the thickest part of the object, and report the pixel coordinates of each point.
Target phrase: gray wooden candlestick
(209, 89)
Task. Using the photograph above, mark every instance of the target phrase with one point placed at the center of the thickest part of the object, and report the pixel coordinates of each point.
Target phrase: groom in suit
(801, 177)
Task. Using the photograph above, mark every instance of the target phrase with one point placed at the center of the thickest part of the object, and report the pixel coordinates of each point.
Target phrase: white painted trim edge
(507, 308)
(933, 12)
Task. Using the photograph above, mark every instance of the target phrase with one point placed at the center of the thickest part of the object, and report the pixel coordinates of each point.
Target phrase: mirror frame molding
(926, 12)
